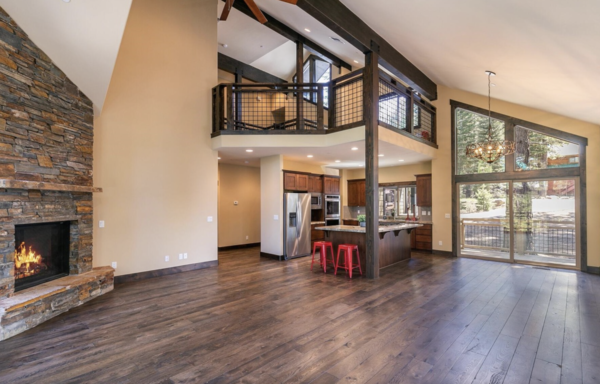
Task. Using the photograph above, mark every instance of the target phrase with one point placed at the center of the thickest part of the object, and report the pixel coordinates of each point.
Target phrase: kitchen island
(394, 241)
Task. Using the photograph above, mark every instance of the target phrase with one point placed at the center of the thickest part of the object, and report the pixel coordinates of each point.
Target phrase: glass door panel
(485, 220)
(545, 229)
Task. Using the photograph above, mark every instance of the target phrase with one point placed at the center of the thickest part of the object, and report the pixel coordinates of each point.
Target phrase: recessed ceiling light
(222, 45)
(307, 30)
(309, 155)
(67, 1)
(356, 61)
(249, 150)
(337, 161)
(355, 148)
(400, 160)
(381, 155)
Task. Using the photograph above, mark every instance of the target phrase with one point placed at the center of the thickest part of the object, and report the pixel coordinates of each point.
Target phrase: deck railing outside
(547, 237)
(276, 108)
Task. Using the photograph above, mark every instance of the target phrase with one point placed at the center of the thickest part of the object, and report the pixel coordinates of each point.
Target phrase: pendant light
(490, 150)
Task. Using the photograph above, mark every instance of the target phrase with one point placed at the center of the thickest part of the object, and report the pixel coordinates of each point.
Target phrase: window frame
(510, 174)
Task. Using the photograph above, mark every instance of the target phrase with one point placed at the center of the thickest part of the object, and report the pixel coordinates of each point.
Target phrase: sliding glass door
(533, 222)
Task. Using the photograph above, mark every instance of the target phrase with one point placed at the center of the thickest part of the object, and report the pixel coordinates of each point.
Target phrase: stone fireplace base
(31, 307)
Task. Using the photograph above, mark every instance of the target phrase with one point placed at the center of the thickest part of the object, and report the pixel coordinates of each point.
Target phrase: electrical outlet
(114, 264)
(185, 255)
(209, 219)
(235, 202)
(166, 258)
(181, 256)
(101, 224)
(275, 217)
(447, 215)
(246, 237)
(440, 242)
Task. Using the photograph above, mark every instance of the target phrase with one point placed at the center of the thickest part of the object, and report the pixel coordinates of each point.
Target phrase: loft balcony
(264, 109)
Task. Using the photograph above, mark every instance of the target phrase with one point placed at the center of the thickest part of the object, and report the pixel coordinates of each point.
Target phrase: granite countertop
(401, 221)
(316, 222)
(357, 229)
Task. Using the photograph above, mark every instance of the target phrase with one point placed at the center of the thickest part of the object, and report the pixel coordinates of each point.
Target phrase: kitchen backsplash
(425, 213)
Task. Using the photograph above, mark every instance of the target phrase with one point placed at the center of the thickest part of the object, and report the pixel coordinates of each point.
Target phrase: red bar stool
(347, 249)
(323, 246)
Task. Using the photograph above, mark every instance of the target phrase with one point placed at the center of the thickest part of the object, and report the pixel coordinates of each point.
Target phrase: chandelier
(490, 150)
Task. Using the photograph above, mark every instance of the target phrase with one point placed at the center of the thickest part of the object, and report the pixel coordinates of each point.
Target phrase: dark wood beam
(292, 35)
(231, 65)
(299, 80)
(371, 114)
(335, 16)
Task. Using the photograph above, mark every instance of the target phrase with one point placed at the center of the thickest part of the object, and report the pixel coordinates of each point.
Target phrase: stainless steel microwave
(316, 201)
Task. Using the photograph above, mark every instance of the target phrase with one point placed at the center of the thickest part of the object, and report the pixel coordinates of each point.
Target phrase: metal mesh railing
(349, 106)
(423, 123)
(392, 105)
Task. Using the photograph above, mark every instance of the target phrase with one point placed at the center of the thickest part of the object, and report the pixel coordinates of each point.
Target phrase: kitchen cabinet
(351, 222)
(331, 185)
(315, 184)
(357, 193)
(316, 235)
(421, 238)
(424, 190)
(295, 181)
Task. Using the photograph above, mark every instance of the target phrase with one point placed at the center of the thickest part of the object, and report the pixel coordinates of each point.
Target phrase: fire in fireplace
(41, 253)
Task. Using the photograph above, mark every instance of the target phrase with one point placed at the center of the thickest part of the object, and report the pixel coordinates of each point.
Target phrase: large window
(316, 70)
(525, 208)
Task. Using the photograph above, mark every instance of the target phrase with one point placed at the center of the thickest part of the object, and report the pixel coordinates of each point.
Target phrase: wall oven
(332, 207)
(315, 201)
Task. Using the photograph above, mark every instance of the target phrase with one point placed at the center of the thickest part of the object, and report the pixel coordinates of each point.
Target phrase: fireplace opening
(41, 253)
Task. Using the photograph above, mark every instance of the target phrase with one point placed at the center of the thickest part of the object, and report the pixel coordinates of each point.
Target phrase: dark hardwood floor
(430, 320)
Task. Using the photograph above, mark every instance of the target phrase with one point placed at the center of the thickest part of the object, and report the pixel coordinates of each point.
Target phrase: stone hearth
(46, 158)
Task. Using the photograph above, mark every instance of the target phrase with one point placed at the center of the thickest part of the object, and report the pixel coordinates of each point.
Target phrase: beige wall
(298, 166)
(271, 204)
(441, 166)
(394, 174)
(152, 150)
(241, 184)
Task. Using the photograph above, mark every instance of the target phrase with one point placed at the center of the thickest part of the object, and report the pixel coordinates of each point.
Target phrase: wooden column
(299, 80)
(371, 114)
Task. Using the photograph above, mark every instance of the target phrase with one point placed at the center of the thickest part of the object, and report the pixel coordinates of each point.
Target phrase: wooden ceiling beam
(337, 17)
(292, 35)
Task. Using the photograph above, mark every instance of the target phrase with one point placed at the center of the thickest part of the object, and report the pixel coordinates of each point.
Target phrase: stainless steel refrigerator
(296, 231)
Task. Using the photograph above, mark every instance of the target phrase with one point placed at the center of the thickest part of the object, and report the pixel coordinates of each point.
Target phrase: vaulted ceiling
(81, 37)
(545, 52)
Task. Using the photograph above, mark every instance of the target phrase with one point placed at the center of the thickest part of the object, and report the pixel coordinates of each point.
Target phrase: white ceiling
(81, 37)
(326, 156)
(546, 52)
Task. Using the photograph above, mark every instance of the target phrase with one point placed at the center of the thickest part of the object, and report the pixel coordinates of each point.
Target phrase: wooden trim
(583, 227)
(287, 32)
(371, 115)
(42, 186)
(239, 246)
(337, 17)
(441, 253)
(594, 270)
(164, 272)
(399, 184)
(272, 256)
(231, 65)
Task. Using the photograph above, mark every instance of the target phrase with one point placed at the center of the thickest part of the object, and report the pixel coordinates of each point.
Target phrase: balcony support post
(300, 80)
(371, 115)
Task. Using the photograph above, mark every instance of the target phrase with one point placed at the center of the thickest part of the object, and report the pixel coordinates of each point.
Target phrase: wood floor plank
(433, 319)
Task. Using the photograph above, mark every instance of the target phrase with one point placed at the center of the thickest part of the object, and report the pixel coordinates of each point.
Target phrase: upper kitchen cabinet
(357, 193)
(331, 185)
(424, 190)
(295, 181)
(315, 184)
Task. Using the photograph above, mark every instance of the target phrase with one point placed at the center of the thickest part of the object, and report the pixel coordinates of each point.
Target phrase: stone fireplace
(46, 188)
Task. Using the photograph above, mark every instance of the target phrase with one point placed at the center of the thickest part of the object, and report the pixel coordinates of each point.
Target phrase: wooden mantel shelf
(24, 184)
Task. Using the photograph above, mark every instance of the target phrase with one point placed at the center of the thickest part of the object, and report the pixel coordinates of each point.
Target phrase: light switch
(166, 258)
(114, 264)
(209, 219)
(101, 224)
(275, 217)
(185, 255)
(447, 215)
